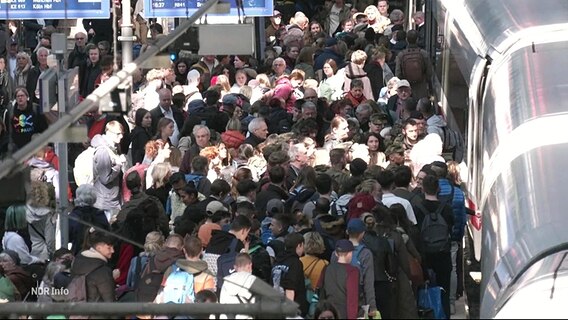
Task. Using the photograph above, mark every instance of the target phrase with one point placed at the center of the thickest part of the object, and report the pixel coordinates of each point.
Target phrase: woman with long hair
(181, 69)
(303, 191)
(160, 188)
(224, 84)
(40, 214)
(213, 155)
(23, 66)
(241, 79)
(242, 173)
(141, 134)
(331, 81)
(372, 140)
(165, 130)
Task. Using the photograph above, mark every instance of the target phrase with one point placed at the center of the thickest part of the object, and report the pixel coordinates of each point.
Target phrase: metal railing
(262, 309)
(14, 161)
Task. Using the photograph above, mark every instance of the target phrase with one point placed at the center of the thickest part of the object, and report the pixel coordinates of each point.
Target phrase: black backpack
(434, 233)
(226, 263)
(149, 283)
(383, 249)
(453, 144)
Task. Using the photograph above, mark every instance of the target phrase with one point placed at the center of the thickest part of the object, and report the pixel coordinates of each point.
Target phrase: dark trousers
(384, 298)
(441, 265)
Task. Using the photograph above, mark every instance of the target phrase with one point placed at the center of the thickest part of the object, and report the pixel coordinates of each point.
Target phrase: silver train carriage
(504, 71)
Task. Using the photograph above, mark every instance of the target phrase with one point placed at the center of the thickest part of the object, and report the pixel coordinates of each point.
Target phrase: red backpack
(359, 204)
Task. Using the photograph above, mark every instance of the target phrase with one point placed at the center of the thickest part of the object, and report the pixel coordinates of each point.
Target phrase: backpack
(83, 168)
(77, 288)
(179, 286)
(386, 247)
(337, 209)
(453, 144)
(434, 232)
(148, 286)
(355, 260)
(195, 178)
(311, 295)
(39, 175)
(412, 65)
(260, 262)
(278, 272)
(226, 263)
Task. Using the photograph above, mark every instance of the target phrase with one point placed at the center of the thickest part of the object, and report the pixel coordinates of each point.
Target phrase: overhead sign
(185, 8)
(54, 9)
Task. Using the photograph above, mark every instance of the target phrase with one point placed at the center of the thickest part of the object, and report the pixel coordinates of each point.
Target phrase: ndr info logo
(50, 291)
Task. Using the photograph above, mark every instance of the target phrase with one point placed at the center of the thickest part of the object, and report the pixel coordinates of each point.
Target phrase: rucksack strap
(37, 231)
(312, 266)
(439, 210)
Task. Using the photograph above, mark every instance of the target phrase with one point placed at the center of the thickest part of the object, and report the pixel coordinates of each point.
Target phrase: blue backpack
(179, 286)
(355, 260)
(226, 263)
(195, 178)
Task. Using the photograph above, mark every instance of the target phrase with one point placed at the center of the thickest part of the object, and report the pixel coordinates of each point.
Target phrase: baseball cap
(230, 99)
(394, 148)
(402, 83)
(277, 13)
(355, 226)
(344, 246)
(330, 42)
(274, 206)
(214, 206)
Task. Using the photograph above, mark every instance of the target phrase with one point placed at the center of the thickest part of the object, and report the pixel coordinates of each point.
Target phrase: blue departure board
(185, 8)
(54, 9)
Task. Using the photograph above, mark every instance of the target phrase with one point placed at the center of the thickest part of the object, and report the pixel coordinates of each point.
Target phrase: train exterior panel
(509, 57)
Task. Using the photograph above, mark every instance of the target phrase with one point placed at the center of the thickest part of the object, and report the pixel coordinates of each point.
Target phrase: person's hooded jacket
(106, 170)
(435, 124)
(41, 226)
(99, 279)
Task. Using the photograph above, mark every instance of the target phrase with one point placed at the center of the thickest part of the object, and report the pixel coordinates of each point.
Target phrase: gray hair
(295, 149)
(41, 49)
(255, 124)
(396, 15)
(363, 107)
(86, 196)
(279, 60)
(200, 127)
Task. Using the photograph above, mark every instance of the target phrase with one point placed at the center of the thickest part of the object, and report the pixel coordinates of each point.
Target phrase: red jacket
(232, 139)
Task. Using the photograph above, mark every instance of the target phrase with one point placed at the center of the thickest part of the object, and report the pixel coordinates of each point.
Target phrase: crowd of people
(325, 170)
